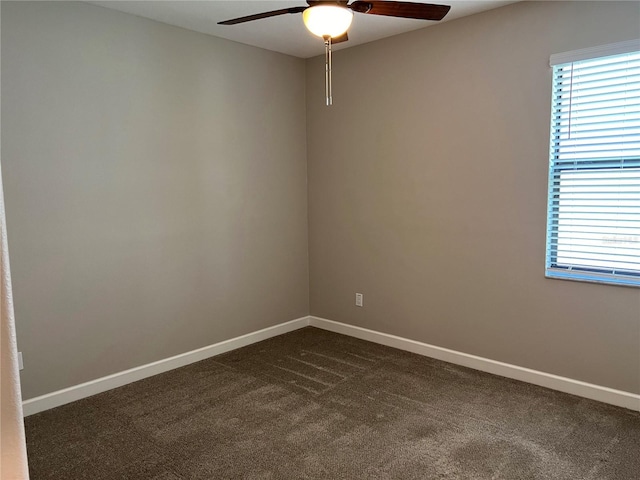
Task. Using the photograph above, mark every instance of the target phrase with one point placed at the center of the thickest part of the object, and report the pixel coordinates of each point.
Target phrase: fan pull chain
(327, 70)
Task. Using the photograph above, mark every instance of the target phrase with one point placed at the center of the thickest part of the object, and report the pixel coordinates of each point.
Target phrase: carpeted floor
(316, 405)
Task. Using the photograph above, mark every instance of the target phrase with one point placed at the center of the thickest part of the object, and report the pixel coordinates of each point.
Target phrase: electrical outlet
(20, 363)
(359, 299)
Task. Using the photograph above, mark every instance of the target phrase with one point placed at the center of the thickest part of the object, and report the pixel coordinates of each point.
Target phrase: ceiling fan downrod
(327, 70)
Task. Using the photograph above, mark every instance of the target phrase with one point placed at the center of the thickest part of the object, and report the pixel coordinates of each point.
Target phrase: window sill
(592, 277)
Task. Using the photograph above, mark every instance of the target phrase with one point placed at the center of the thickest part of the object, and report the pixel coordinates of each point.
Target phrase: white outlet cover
(20, 363)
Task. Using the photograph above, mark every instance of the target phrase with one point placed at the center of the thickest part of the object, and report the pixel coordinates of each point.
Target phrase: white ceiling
(286, 33)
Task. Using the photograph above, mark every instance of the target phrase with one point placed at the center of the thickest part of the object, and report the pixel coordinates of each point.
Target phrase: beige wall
(427, 193)
(155, 187)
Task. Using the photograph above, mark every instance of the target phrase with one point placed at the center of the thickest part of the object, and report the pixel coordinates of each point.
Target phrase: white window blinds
(593, 228)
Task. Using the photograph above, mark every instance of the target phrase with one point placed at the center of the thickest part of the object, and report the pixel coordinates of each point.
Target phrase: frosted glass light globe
(327, 20)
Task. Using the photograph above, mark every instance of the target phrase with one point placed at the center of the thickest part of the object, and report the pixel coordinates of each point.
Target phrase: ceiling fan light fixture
(327, 20)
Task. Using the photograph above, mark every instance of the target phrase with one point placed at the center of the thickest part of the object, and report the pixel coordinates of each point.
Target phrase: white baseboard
(554, 382)
(77, 392)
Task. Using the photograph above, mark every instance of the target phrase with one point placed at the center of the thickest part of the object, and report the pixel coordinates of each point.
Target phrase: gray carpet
(316, 405)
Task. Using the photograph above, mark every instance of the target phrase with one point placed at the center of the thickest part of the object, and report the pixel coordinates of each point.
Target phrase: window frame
(568, 271)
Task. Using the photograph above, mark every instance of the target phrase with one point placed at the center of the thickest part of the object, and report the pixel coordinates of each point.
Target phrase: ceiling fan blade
(342, 38)
(421, 11)
(258, 16)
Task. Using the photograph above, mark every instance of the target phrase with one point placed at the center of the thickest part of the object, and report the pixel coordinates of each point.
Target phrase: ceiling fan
(331, 20)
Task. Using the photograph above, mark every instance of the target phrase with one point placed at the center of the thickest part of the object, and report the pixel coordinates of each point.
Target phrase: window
(593, 221)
